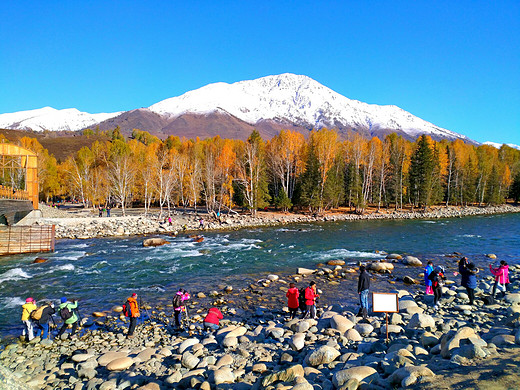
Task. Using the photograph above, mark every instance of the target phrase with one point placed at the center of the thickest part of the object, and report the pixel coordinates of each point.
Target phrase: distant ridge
(268, 104)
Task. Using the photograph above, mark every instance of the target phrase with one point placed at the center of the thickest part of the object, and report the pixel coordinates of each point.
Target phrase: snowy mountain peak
(499, 145)
(296, 99)
(48, 118)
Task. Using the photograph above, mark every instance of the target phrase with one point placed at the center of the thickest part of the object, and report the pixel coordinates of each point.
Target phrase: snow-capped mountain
(49, 118)
(499, 145)
(268, 104)
(299, 100)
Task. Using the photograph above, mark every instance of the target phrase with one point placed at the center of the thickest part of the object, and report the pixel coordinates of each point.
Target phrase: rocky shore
(92, 227)
(258, 347)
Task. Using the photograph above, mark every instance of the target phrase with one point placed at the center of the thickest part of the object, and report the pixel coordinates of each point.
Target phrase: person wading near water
(501, 277)
(133, 311)
(211, 321)
(310, 300)
(363, 290)
(27, 308)
(292, 302)
(68, 315)
(178, 306)
(427, 282)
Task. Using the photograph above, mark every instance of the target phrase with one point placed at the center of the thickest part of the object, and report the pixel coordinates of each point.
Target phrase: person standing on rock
(178, 306)
(133, 309)
(27, 308)
(310, 300)
(68, 315)
(363, 290)
(428, 283)
(501, 277)
(108, 211)
(211, 321)
(201, 224)
(437, 278)
(469, 280)
(292, 302)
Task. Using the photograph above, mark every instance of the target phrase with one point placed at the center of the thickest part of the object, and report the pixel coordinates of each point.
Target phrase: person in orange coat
(134, 314)
(292, 302)
(310, 300)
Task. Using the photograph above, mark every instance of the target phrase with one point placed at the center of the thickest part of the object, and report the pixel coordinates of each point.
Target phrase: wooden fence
(26, 239)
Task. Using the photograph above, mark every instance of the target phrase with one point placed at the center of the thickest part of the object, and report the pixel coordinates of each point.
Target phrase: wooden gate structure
(18, 197)
(26, 239)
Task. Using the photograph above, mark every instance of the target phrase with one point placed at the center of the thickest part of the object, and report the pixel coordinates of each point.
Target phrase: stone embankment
(267, 350)
(91, 227)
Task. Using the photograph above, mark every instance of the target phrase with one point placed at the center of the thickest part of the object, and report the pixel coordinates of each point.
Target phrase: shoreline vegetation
(85, 227)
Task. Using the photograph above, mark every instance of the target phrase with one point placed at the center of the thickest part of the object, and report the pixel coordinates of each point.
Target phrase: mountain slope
(269, 104)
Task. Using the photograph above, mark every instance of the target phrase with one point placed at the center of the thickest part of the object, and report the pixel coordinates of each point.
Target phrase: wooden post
(386, 327)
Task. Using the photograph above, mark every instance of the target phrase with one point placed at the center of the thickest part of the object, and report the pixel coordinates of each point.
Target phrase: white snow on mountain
(298, 99)
(48, 118)
(498, 145)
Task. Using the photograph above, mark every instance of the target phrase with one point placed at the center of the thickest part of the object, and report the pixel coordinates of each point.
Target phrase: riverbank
(91, 227)
(259, 347)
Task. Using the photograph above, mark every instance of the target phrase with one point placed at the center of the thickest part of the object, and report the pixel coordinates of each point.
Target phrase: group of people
(304, 299)
(101, 210)
(434, 279)
(37, 319)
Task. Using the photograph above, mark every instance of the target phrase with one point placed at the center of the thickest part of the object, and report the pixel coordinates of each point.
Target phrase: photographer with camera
(69, 316)
(178, 306)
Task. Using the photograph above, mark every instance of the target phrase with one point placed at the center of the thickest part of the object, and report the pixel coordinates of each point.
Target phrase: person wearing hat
(134, 314)
(68, 315)
(27, 308)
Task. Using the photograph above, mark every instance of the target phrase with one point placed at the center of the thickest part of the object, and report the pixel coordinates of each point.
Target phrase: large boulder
(322, 355)
(297, 341)
(154, 242)
(353, 335)
(187, 344)
(286, 375)
(341, 323)
(364, 329)
(305, 271)
(451, 340)
(106, 358)
(408, 376)
(361, 373)
(223, 375)
(421, 321)
(120, 364)
(381, 267)
(413, 261)
(189, 360)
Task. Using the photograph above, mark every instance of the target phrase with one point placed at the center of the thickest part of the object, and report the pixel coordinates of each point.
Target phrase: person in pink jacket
(501, 277)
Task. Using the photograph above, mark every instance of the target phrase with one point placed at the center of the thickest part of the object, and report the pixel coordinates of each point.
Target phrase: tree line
(321, 172)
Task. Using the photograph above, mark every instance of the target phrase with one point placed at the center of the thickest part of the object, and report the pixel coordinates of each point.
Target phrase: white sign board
(385, 303)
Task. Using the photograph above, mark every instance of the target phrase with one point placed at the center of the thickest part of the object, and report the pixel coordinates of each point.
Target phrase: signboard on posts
(385, 303)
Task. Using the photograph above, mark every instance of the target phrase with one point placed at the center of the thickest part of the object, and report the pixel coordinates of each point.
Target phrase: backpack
(37, 314)
(177, 300)
(432, 275)
(65, 313)
(126, 309)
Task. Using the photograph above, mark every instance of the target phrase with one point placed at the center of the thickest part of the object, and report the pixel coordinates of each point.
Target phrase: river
(103, 272)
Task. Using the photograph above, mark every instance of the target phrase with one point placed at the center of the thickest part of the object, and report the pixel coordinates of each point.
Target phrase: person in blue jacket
(428, 283)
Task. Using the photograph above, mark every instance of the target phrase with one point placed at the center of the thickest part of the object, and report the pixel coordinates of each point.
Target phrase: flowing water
(104, 272)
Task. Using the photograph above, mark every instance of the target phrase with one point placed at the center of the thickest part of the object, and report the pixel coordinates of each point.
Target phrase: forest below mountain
(321, 172)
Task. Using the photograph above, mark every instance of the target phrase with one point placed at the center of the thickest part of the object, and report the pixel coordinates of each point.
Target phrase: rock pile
(268, 351)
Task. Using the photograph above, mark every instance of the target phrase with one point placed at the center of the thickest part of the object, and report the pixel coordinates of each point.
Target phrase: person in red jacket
(310, 300)
(292, 302)
(212, 319)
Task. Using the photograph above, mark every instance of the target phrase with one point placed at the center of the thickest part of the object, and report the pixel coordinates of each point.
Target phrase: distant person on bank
(363, 291)
(69, 316)
(27, 308)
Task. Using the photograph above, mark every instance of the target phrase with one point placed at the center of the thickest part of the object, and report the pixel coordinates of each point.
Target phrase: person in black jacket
(363, 289)
(43, 322)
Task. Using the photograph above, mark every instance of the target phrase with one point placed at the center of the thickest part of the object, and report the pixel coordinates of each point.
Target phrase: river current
(104, 272)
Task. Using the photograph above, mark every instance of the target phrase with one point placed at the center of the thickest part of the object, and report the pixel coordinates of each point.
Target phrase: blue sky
(453, 63)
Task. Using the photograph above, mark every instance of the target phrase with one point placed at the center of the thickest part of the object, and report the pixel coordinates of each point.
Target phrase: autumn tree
(121, 172)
